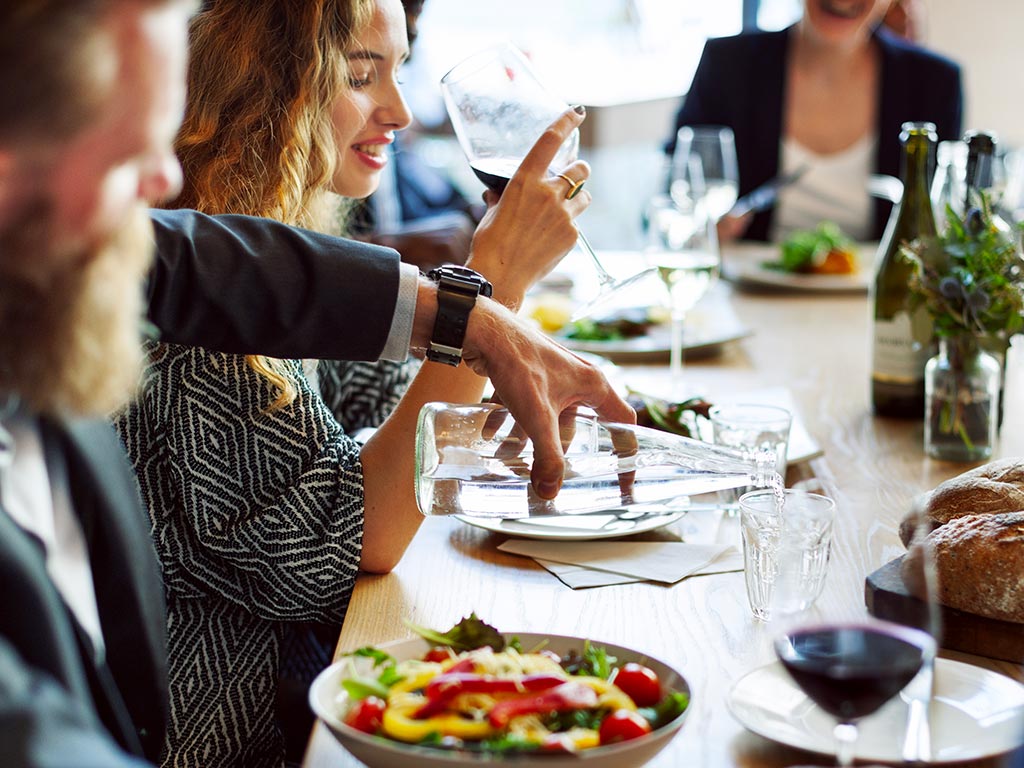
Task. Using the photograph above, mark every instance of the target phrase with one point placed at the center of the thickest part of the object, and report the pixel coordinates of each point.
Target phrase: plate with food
(822, 260)
(975, 713)
(641, 334)
(473, 695)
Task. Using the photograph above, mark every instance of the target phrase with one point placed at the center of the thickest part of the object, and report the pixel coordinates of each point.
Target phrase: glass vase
(962, 401)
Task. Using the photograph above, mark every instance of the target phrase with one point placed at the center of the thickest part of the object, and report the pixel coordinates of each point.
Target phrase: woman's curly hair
(257, 138)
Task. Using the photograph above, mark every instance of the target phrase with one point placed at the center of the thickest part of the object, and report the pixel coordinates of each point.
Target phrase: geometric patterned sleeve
(361, 394)
(263, 509)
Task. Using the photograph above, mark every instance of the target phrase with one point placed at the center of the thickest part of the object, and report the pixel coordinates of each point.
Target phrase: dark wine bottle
(903, 340)
(980, 176)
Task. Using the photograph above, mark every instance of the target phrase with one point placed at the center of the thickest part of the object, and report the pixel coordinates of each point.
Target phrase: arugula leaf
(468, 634)
(359, 688)
(369, 652)
(595, 661)
(666, 710)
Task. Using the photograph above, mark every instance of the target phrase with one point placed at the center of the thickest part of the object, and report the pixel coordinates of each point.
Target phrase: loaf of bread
(991, 488)
(979, 565)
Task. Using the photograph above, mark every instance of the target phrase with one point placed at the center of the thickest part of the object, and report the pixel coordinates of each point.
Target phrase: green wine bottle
(981, 177)
(903, 340)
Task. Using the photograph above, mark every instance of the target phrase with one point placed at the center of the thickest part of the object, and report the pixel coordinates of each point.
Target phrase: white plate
(328, 700)
(655, 345)
(708, 327)
(976, 713)
(743, 263)
(573, 527)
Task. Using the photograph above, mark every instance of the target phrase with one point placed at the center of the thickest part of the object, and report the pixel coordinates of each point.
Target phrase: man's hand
(537, 380)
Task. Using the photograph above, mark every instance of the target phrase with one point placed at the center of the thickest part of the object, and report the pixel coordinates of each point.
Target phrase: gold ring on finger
(574, 186)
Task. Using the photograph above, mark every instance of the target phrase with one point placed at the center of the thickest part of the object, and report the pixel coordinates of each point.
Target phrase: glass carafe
(473, 460)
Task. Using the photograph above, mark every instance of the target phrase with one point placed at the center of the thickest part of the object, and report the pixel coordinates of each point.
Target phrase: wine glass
(499, 108)
(715, 146)
(849, 665)
(682, 247)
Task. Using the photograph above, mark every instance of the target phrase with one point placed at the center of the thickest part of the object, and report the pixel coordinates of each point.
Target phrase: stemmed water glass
(715, 147)
(851, 666)
(682, 247)
(499, 108)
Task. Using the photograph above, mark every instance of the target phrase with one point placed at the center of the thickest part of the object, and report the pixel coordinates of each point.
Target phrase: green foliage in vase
(970, 278)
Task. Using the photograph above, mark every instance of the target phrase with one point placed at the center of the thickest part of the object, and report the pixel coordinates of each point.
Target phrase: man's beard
(69, 321)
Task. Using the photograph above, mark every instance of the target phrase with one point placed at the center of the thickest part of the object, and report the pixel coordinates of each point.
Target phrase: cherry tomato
(622, 725)
(640, 683)
(438, 653)
(366, 715)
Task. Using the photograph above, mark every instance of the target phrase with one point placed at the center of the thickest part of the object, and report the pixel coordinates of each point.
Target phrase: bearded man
(91, 95)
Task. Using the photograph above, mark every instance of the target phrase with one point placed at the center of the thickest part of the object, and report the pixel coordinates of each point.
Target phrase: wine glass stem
(585, 246)
(676, 355)
(846, 738)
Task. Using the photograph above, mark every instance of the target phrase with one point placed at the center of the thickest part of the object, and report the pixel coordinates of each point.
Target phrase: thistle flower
(969, 280)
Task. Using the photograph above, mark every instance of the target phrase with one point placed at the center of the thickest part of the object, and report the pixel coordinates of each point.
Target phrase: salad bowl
(330, 701)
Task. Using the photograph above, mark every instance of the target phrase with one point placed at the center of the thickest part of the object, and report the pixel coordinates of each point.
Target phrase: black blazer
(740, 82)
(232, 283)
(57, 705)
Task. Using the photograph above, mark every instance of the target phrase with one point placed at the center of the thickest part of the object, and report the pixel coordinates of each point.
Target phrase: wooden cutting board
(887, 598)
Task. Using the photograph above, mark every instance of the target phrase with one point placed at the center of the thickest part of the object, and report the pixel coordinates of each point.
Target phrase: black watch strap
(457, 289)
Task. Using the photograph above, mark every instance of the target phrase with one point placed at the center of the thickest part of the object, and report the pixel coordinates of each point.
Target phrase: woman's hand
(529, 227)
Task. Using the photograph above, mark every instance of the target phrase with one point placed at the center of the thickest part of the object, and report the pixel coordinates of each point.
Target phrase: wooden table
(818, 347)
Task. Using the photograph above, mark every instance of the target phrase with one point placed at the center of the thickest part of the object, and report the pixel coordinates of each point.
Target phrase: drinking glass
(751, 426)
(682, 248)
(850, 666)
(499, 108)
(715, 147)
(787, 540)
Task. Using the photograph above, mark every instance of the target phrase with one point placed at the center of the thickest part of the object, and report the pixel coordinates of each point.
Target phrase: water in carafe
(473, 460)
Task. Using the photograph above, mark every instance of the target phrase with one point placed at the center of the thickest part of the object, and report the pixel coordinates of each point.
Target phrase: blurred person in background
(830, 94)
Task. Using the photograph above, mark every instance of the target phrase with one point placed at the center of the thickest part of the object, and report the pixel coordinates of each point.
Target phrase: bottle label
(901, 348)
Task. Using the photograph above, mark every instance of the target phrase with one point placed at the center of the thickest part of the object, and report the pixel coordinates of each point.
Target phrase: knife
(763, 197)
(917, 742)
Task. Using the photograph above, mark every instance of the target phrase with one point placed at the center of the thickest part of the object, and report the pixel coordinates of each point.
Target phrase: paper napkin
(662, 561)
(581, 577)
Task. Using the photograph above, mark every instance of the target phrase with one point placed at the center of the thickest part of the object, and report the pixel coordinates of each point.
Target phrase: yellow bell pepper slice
(398, 723)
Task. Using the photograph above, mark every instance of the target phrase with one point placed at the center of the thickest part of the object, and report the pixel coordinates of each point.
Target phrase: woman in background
(829, 93)
(263, 510)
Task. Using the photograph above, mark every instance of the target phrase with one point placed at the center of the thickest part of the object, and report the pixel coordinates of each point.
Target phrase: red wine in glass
(495, 172)
(852, 670)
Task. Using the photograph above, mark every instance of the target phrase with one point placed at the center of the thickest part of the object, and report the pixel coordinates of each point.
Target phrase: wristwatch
(457, 289)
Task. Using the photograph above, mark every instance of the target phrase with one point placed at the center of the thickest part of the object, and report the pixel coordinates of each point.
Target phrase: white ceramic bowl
(329, 701)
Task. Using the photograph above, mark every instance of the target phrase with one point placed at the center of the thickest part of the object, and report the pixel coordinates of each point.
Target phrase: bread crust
(979, 564)
(989, 489)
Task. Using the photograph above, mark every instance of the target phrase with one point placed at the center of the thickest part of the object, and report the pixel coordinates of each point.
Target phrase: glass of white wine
(682, 248)
(499, 108)
(715, 147)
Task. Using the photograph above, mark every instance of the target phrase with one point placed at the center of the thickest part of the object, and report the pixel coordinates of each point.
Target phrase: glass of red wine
(850, 666)
(499, 108)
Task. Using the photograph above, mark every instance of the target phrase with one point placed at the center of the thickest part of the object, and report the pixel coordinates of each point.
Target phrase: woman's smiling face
(843, 21)
(372, 109)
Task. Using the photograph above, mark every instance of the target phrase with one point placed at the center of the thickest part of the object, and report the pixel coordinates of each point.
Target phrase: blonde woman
(263, 510)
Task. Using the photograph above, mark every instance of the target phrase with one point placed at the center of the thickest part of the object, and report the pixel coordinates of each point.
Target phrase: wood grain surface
(818, 347)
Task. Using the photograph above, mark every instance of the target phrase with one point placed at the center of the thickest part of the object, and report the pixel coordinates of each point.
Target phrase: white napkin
(581, 577)
(663, 561)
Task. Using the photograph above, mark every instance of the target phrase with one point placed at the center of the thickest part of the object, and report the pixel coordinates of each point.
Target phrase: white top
(834, 188)
(35, 495)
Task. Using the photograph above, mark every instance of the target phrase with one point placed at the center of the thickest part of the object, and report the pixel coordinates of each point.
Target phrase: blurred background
(631, 61)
